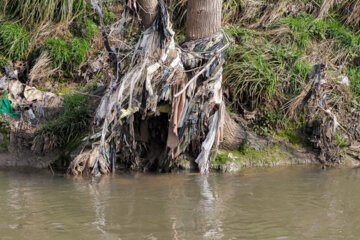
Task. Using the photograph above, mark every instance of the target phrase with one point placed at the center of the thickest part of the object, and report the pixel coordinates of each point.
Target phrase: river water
(277, 203)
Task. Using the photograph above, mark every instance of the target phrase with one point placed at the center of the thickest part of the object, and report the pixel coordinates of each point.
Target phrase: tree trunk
(203, 18)
(148, 10)
(237, 135)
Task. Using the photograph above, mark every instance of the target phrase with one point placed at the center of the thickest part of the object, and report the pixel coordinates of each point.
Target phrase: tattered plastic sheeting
(203, 159)
(157, 83)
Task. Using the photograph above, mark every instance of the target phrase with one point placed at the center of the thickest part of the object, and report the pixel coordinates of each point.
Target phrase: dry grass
(325, 7)
(354, 17)
(42, 69)
(271, 14)
(40, 11)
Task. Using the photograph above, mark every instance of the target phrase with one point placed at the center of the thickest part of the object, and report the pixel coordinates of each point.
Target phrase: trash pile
(167, 105)
(331, 115)
(25, 106)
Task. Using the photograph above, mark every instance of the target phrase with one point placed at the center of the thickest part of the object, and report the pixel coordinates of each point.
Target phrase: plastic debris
(344, 80)
(323, 97)
(32, 94)
(156, 114)
(5, 106)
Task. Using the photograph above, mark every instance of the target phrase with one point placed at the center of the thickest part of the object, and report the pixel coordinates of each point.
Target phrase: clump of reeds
(40, 11)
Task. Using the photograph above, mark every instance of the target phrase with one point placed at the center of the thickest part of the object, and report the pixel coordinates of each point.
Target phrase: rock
(232, 167)
(4, 83)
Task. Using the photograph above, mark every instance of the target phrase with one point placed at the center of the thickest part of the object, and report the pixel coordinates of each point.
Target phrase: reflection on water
(279, 203)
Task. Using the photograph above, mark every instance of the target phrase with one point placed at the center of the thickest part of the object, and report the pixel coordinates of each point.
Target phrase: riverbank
(26, 159)
(278, 154)
(54, 71)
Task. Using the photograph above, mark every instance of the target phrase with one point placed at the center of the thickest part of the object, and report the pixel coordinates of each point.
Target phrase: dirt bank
(25, 159)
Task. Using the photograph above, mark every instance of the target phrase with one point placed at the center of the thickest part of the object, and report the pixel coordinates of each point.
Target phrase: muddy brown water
(277, 203)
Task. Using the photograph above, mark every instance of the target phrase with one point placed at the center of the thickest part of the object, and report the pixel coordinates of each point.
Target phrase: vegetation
(74, 118)
(35, 11)
(58, 51)
(276, 44)
(68, 55)
(14, 40)
(4, 133)
(246, 157)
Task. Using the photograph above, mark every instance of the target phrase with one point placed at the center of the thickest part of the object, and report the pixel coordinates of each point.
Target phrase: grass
(247, 157)
(91, 30)
(3, 62)
(67, 55)
(73, 120)
(354, 77)
(39, 11)
(257, 66)
(340, 140)
(14, 41)
(263, 61)
(58, 51)
(78, 48)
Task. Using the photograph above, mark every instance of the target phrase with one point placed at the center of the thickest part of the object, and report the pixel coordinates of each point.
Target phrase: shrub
(14, 40)
(78, 48)
(66, 55)
(58, 51)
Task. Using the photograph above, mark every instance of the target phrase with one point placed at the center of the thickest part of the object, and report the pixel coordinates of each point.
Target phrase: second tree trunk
(203, 18)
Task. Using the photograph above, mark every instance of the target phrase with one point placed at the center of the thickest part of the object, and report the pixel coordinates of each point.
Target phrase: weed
(354, 76)
(3, 62)
(268, 122)
(340, 140)
(58, 51)
(14, 40)
(347, 39)
(91, 30)
(78, 48)
(66, 55)
(109, 17)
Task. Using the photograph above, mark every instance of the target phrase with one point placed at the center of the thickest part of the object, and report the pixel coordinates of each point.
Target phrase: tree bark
(203, 18)
(148, 11)
(237, 135)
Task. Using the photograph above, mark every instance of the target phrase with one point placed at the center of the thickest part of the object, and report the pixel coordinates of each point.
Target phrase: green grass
(354, 77)
(73, 120)
(91, 30)
(3, 62)
(265, 157)
(78, 48)
(259, 62)
(257, 66)
(14, 41)
(340, 140)
(305, 27)
(58, 51)
(67, 55)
